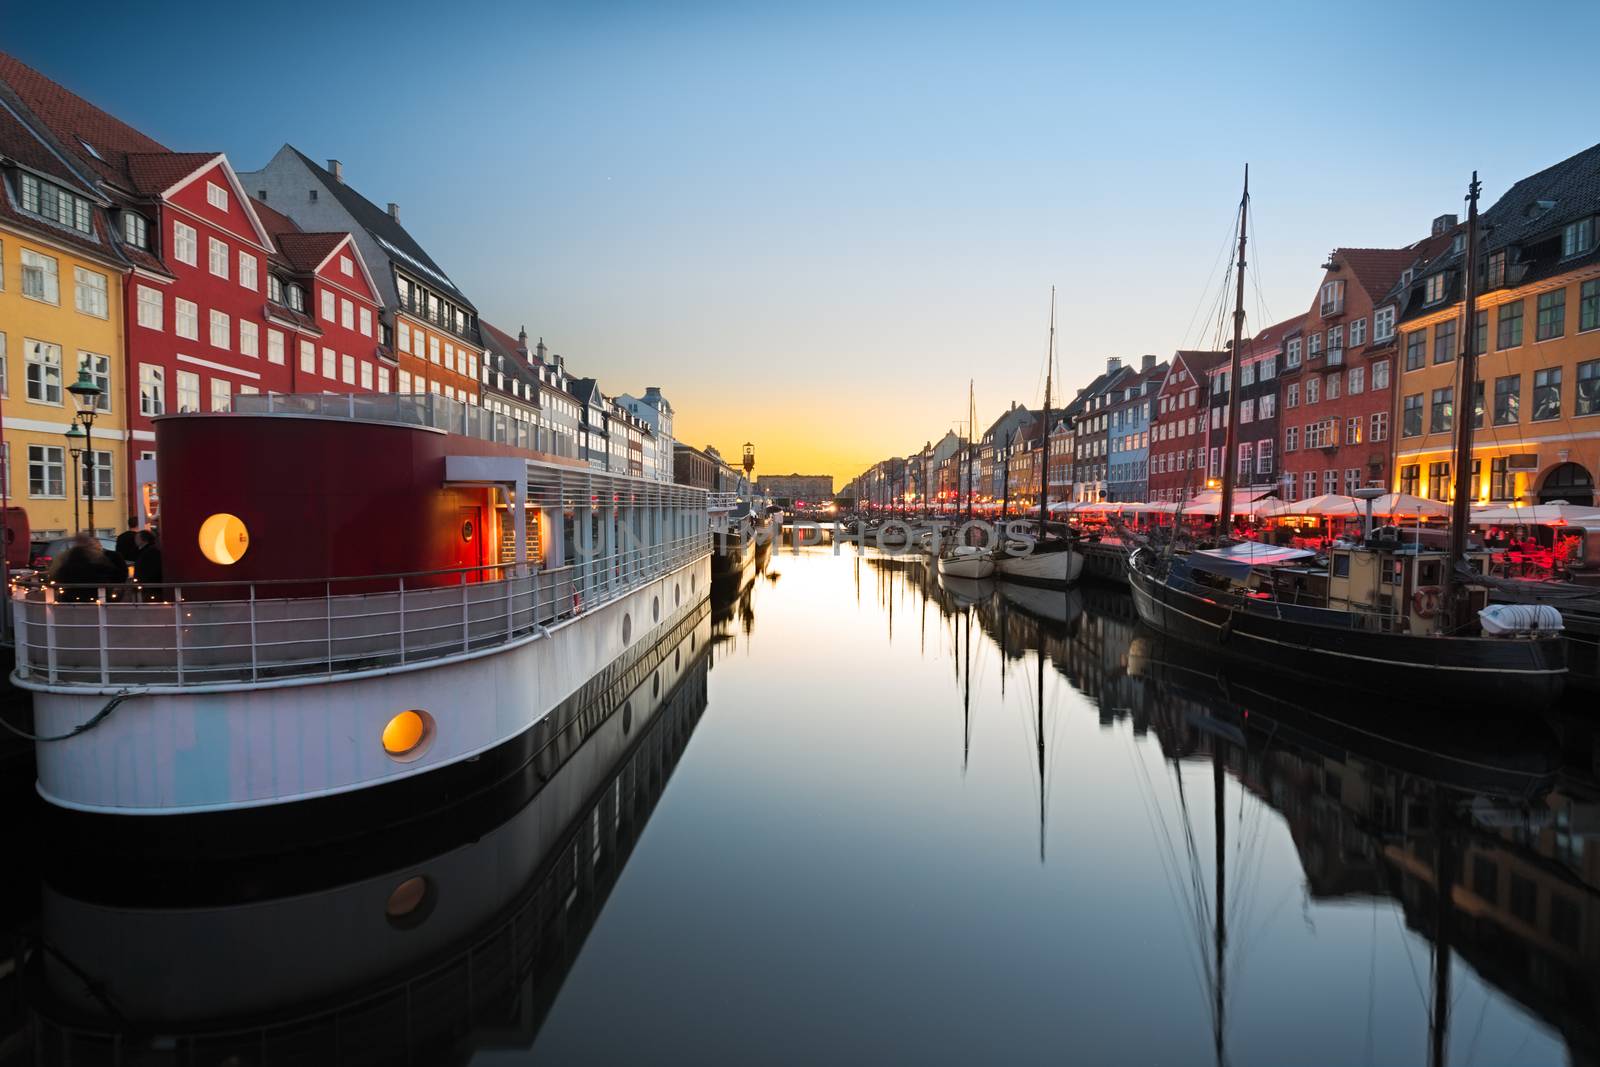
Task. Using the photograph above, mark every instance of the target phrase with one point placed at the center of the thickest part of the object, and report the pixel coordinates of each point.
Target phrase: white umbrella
(1259, 508)
(1406, 506)
(1333, 505)
(1554, 513)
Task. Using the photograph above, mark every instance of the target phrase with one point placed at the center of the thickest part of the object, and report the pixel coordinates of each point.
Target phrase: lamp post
(75, 438)
(86, 391)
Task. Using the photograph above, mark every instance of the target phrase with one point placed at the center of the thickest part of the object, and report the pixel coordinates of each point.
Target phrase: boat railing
(222, 633)
(721, 501)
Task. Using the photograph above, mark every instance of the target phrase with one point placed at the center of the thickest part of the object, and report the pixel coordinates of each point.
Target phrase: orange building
(1537, 402)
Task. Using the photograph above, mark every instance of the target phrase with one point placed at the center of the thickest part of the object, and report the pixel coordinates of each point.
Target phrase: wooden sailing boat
(1052, 561)
(1379, 626)
(960, 560)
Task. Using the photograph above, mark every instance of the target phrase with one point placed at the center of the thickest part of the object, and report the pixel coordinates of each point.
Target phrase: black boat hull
(1510, 673)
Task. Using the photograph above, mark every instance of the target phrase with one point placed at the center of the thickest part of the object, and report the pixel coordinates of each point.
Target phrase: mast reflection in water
(924, 821)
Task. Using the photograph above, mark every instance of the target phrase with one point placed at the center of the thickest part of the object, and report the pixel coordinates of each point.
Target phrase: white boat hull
(966, 566)
(1050, 568)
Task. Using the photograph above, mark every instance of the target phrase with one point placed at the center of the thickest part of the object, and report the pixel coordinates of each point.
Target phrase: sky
(812, 224)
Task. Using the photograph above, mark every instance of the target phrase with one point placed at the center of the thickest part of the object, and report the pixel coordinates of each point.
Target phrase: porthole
(655, 609)
(469, 530)
(411, 903)
(224, 539)
(677, 593)
(655, 685)
(692, 639)
(407, 736)
(692, 578)
(627, 628)
(677, 658)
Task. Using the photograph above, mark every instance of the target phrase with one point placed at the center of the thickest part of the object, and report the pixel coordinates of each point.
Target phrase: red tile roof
(499, 336)
(306, 251)
(153, 173)
(273, 220)
(76, 122)
(1376, 269)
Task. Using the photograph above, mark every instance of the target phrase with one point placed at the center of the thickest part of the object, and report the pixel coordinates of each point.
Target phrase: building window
(152, 390)
(348, 366)
(1358, 381)
(433, 349)
(1552, 315)
(1411, 478)
(1477, 404)
(221, 329)
(366, 322)
(308, 358)
(40, 280)
(150, 307)
(366, 375)
(383, 379)
(216, 196)
(249, 338)
(56, 204)
(1264, 456)
(1313, 390)
(1380, 375)
(346, 267)
(1267, 406)
(1330, 480)
(1314, 346)
(47, 470)
(1333, 386)
(1442, 410)
(1332, 298)
(98, 368)
(296, 297)
(1547, 394)
(1480, 336)
(1439, 480)
(1508, 330)
(347, 314)
(247, 271)
(1502, 482)
(1578, 237)
(188, 392)
(330, 364)
(44, 371)
(218, 257)
(185, 246)
(1416, 347)
(274, 346)
(1380, 426)
(221, 395)
(1335, 338)
(330, 310)
(1291, 356)
(1586, 401)
(1434, 288)
(1267, 370)
(1247, 411)
(1444, 341)
(135, 229)
(1589, 305)
(1507, 399)
(1352, 429)
(1352, 480)
(405, 381)
(1383, 324)
(1309, 479)
(1358, 332)
(186, 319)
(1496, 274)
(1411, 416)
(89, 293)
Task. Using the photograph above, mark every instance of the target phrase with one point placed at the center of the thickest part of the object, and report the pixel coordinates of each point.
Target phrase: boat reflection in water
(420, 947)
(1475, 827)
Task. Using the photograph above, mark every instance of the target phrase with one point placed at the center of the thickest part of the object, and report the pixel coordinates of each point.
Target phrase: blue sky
(811, 224)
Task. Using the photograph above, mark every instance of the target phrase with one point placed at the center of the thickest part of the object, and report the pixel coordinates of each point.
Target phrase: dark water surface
(855, 815)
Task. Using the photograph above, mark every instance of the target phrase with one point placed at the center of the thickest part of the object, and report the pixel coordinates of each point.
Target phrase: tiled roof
(153, 173)
(1571, 189)
(495, 337)
(273, 220)
(1198, 362)
(306, 251)
(1275, 333)
(98, 139)
(387, 231)
(1376, 269)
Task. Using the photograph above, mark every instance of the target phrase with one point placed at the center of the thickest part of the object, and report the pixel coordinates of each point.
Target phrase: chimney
(522, 343)
(541, 351)
(1443, 224)
(337, 170)
(652, 392)
(1113, 365)
(394, 211)
(1148, 363)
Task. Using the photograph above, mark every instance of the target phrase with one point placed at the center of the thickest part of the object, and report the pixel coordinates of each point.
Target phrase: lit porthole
(411, 903)
(406, 736)
(627, 628)
(224, 539)
(655, 609)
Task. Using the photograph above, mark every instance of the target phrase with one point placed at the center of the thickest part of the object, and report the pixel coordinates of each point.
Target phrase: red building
(1337, 377)
(1180, 429)
(1257, 440)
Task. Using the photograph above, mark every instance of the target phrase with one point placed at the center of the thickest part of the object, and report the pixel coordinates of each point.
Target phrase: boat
(1050, 561)
(365, 676)
(1384, 615)
(966, 561)
(733, 543)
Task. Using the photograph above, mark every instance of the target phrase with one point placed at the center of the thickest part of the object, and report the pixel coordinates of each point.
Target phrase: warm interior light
(224, 539)
(405, 733)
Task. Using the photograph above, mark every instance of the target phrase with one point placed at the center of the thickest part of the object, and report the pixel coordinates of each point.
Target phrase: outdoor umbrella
(1406, 506)
(1554, 513)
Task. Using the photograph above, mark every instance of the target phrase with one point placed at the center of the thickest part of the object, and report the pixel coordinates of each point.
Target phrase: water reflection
(449, 935)
(1476, 828)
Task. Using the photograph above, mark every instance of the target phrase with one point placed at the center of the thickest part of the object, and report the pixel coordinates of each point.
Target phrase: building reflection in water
(1478, 829)
(448, 936)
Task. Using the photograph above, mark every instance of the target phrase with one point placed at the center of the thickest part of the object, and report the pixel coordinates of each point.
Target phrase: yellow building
(1537, 404)
(61, 312)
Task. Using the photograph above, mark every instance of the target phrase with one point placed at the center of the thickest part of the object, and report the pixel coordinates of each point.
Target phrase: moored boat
(1053, 563)
(965, 561)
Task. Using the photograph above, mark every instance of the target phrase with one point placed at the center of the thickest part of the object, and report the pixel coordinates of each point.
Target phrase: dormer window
(56, 204)
(274, 289)
(1495, 276)
(135, 229)
(1434, 289)
(1578, 237)
(1458, 244)
(295, 296)
(1333, 298)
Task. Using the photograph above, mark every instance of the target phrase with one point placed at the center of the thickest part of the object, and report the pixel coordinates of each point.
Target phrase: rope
(83, 727)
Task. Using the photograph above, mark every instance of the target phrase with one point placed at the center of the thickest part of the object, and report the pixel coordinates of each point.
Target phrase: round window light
(469, 530)
(224, 539)
(411, 902)
(406, 736)
(627, 628)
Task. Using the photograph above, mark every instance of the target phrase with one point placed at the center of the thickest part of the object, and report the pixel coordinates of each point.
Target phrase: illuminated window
(224, 539)
(406, 736)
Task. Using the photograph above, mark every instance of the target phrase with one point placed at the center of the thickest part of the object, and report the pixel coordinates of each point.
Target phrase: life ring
(1425, 601)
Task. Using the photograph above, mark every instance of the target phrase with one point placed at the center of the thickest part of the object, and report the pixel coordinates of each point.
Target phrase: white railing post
(177, 628)
(100, 625)
(254, 666)
(466, 618)
(402, 618)
(19, 623)
(327, 601)
(50, 634)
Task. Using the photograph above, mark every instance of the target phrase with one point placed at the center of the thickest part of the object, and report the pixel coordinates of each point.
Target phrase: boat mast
(1230, 427)
(972, 429)
(1044, 424)
(1466, 402)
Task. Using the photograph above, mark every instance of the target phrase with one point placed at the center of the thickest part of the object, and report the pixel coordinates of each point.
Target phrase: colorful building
(1256, 451)
(1537, 405)
(1129, 434)
(1180, 428)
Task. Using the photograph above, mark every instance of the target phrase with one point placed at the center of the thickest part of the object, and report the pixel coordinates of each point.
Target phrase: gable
(358, 281)
(237, 217)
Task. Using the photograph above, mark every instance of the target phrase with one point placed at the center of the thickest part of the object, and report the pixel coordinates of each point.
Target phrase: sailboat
(967, 561)
(1052, 561)
(1395, 618)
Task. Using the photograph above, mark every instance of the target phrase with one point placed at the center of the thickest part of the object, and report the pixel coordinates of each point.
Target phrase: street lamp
(75, 439)
(87, 393)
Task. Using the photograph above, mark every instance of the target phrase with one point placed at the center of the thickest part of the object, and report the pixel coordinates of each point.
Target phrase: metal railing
(212, 633)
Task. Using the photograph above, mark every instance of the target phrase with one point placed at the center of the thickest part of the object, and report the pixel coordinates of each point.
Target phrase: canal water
(857, 815)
